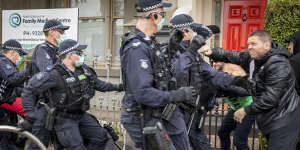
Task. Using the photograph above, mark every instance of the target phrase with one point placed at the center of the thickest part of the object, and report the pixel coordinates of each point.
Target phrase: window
(92, 27)
(218, 15)
(123, 21)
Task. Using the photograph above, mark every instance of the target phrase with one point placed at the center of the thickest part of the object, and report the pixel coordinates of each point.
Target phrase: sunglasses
(163, 14)
(60, 31)
(77, 53)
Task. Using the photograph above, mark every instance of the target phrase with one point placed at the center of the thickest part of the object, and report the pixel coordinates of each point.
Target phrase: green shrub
(282, 19)
(26, 61)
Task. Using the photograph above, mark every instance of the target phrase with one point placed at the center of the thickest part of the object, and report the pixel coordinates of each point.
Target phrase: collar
(53, 47)
(3, 57)
(185, 43)
(142, 35)
(68, 70)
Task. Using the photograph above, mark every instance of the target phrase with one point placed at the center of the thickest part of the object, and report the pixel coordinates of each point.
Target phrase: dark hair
(5, 51)
(62, 57)
(262, 34)
(46, 33)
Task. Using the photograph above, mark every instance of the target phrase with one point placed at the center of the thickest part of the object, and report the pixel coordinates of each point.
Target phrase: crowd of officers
(168, 87)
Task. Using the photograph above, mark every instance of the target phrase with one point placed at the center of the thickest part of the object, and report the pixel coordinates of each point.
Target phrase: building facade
(102, 23)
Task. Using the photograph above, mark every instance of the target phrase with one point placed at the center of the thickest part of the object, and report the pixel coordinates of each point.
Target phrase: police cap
(14, 45)
(205, 31)
(181, 21)
(69, 45)
(54, 24)
(147, 5)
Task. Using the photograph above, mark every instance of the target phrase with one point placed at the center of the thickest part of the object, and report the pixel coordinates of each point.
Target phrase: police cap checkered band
(51, 28)
(69, 45)
(181, 25)
(54, 24)
(147, 5)
(14, 45)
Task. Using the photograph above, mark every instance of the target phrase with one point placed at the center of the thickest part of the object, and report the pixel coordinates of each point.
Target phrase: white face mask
(161, 24)
(194, 34)
(61, 38)
(19, 61)
(80, 62)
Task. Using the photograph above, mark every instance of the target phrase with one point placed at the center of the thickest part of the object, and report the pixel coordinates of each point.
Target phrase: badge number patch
(144, 64)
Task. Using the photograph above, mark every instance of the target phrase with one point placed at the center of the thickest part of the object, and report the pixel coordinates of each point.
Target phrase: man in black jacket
(294, 48)
(275, 100)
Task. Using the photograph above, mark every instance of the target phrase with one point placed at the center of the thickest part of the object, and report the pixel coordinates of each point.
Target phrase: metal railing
(106, 107)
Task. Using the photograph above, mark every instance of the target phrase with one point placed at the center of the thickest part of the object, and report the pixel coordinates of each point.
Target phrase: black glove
(175, 40)
(184, 94)
(176, 36)
(26, 125)
(198, 42)
(244, 83)
(121, 87)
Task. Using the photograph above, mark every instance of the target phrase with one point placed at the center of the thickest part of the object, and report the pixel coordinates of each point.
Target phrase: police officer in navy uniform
(43, 58)
(44, 55)
(11, 83)
(145, 97)
(10, 58)
(198, 74)
(70, 86)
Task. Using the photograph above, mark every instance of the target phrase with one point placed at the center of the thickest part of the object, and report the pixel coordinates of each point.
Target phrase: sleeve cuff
(248, 109)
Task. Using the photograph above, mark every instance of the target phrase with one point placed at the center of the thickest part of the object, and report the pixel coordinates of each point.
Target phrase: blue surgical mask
(19, 61)
(80, 62)
(61, 38)
(161, 24)
(194, 34)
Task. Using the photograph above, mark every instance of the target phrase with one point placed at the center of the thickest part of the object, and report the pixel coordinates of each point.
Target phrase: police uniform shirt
(43, 81)
(44, 56)
(10, 73)
(136, 60)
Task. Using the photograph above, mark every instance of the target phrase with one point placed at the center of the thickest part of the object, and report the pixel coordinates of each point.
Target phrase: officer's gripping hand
(121, 87)
(176, 36)
(184, 94)
(174, 42)
(244, 83)
(197, 43)
(26, 125)
(28, 121)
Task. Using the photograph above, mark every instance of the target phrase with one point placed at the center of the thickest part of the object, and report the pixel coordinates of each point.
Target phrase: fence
(106, 107)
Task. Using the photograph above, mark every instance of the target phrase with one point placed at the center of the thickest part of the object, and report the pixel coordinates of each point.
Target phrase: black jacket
(275, 99)
(295, 60)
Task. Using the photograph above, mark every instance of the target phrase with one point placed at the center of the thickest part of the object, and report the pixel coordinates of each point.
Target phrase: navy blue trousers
(241, 131)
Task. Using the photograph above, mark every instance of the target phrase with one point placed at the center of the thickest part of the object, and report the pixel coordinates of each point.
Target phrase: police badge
(8, 66)
(144, 64)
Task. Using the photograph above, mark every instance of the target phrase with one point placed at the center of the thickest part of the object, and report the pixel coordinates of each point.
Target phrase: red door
(241, 17)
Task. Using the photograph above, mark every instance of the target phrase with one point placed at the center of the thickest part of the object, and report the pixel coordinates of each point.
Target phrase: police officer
(147, 82)
(44, 55)
(43, 58)
(11, 80)
(70, 85)
(198, 74)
